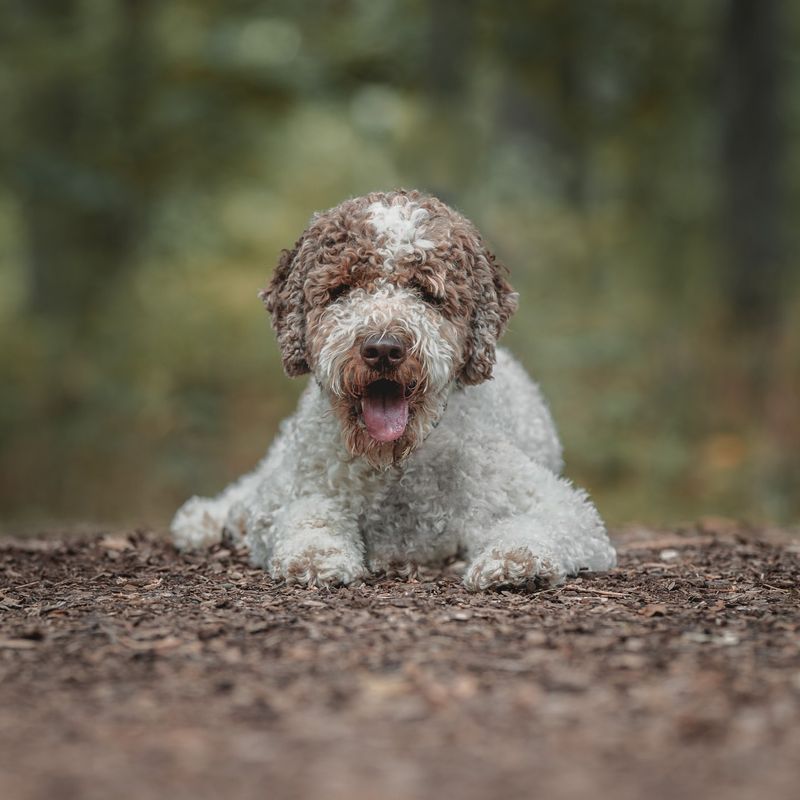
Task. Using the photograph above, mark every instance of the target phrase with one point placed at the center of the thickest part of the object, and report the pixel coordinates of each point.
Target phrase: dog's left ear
(495, 302)
(284, 299)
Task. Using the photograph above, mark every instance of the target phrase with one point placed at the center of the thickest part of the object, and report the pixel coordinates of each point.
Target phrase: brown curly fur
(339, 251)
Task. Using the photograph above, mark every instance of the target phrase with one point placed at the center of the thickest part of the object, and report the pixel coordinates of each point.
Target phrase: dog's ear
(495, 302)
(284, 299)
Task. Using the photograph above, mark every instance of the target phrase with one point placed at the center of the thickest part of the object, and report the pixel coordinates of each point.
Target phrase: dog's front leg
(545, 531)
(312, 540)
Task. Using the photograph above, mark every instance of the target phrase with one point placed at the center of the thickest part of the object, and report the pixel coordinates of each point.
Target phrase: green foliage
(159, 155)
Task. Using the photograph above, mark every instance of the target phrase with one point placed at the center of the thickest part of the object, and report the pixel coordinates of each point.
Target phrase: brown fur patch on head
(495, 302)
(343, 249)
(335, 252)
(284, 299)
(467, 282)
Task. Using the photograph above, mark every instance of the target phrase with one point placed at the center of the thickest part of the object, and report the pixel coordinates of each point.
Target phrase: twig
(22, 586)
(603, 592)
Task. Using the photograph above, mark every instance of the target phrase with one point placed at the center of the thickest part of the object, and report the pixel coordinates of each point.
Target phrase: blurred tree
(110, 115)
(630, 161)
(753, 162)
(78, 174)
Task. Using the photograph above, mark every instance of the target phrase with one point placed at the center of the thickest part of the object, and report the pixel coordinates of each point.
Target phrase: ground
(129, 671)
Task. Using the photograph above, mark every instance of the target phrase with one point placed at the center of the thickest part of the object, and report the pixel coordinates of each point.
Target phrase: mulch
(130, 671)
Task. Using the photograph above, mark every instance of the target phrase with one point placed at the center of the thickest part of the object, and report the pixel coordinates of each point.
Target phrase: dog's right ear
(284, 299)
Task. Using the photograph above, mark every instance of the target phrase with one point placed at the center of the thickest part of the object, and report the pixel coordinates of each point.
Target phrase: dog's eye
(429, 297)
(337, 292)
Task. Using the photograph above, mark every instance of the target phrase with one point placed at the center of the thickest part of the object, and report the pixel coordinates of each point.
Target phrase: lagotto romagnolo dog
(417, 440)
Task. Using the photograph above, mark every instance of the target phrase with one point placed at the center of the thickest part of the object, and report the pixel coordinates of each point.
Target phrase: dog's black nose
(383, 352)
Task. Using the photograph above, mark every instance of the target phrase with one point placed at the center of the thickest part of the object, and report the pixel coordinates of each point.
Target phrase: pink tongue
(385, 411)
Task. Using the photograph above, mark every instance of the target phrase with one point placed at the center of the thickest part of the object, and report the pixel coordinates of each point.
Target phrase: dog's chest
(416, 498)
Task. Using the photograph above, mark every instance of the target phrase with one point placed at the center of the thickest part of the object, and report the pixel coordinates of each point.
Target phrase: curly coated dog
(417, 439)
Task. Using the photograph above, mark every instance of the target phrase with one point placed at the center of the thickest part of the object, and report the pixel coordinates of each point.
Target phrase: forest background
(635, 164)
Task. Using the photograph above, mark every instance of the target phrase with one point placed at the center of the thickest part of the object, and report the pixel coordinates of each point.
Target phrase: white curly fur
(360, 313)
(402, 225)
(484, 483)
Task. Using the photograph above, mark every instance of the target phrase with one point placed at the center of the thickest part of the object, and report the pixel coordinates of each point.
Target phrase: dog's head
(390, 300)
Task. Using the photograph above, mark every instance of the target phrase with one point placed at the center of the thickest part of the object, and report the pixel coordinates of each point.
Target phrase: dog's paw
(510, 567)
(198, 523)
(318, 567)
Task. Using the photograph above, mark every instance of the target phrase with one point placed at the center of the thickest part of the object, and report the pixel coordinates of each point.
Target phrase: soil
(130, 671)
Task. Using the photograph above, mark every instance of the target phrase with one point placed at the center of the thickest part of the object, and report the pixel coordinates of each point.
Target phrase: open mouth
(384, 407)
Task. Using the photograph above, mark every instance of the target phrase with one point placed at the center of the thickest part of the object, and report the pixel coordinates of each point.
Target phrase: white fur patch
(401, 227)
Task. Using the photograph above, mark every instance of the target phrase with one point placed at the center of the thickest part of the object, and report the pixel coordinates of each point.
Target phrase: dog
(418, 440)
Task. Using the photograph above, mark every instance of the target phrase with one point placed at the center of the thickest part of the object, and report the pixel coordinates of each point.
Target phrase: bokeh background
(635, 164)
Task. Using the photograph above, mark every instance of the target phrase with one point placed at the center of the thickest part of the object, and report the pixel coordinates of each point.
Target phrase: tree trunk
(82, 195)
(753, 207)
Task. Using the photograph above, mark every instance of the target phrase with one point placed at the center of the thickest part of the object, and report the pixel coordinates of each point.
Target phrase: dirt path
(127, 671)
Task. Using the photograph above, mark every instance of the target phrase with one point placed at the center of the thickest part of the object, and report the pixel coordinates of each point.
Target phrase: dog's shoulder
(509, 407)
